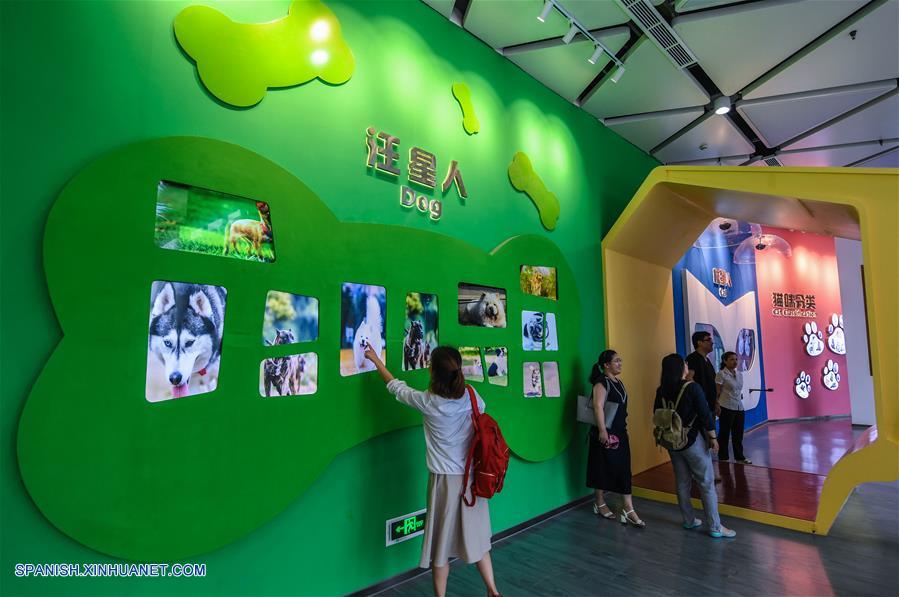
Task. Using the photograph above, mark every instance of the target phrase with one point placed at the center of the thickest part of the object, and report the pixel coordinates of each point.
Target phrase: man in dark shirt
(703, 373)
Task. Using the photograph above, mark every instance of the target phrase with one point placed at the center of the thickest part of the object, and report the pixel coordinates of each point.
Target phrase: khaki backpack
(668, 429)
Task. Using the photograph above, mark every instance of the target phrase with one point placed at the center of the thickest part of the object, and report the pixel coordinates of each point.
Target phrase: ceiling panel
(649, 130)
(886, 160)
(564, 68)
(444, 7)
(510, 22)
(650, 84)
(840, 60)
(727, 161)
(717, 132)
(737, 44)
(594, 14)
(780, 119)
(879, 121)
(691, 5)
(839, 156)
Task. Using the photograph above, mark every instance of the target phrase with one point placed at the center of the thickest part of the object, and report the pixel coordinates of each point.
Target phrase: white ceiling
(818, 76)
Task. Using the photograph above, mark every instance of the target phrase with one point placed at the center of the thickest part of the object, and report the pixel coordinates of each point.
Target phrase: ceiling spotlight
(722, 105)
(596, 54)
(618, 72)
(572, 31)
(547, 7)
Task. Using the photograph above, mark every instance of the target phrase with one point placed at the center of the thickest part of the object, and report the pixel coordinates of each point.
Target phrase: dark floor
(790, 463)
(577, 553)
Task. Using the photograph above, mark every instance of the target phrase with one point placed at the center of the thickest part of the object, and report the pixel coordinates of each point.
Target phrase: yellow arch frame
(670, 210)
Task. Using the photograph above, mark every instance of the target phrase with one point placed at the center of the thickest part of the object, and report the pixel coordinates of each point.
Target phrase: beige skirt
(452, 529)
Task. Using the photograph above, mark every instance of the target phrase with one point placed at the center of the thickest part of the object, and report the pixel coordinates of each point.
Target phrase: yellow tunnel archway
(670, 210)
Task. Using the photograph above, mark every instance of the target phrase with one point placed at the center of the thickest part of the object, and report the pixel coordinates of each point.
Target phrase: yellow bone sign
(238, 62)
(525, 179)
(470, 121)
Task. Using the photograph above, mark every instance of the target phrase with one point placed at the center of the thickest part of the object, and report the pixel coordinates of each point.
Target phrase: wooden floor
(790, 462)
(577, 553)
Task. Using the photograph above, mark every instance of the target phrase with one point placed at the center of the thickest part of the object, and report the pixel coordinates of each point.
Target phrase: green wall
(83, 78)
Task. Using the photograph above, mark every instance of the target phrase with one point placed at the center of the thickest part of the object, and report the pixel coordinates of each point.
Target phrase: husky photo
(185, 339)
(212, 223)
(420, 334)
(362, 322)
(482, 306)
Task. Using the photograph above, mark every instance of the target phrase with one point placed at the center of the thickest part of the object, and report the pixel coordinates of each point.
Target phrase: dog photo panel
(551, 379)
(289, 318)
(185, 339)
(420, 330)
(291, 375)
(472, 368)
(363, 311)
(211, 223)
(533, 330)
(551, 339)
(538, 280)
(482, 306)
(497, 358)
(533, 386)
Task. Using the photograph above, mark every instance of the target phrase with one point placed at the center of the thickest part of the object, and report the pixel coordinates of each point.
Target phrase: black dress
(609, 469)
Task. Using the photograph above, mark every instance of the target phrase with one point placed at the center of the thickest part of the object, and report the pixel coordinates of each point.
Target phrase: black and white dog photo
(533, 330)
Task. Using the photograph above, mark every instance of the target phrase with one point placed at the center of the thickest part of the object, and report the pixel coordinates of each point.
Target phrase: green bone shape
(470, 121)
(525, 179)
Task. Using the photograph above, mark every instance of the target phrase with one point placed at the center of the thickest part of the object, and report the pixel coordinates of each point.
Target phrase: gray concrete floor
(577, 553)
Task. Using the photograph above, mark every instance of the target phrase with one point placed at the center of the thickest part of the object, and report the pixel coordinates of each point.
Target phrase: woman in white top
(451, 528)
(733, 416)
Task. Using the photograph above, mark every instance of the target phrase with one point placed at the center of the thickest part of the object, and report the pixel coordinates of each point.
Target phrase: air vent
(772, 161)
(660, 32)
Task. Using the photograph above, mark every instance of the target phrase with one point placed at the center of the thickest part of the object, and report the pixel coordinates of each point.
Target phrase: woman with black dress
(609, 455)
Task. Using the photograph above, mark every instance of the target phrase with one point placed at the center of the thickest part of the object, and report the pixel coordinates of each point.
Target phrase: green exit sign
(405, 527)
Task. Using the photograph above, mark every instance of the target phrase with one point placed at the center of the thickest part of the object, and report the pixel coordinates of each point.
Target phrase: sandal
(626, 519)
(596, 510)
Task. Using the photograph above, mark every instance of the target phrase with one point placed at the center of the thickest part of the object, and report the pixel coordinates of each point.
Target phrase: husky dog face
(184, 336)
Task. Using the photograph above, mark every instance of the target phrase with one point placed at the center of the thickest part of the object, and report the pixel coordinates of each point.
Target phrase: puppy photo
(420, 332)
(472, 368)
(538, 280)
(497, 365)
(482, 306)
(362, 321)
(533, 330)
(292, 313)
(533, 387)
(212, 223)
(185, 339)
(291, 375)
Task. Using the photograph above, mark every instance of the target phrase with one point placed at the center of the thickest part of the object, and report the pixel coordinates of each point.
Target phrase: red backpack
(488, 455)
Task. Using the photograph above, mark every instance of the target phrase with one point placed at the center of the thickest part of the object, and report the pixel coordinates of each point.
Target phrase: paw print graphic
(831, 375)
(836, 339)
(813, 339)
(803, 385)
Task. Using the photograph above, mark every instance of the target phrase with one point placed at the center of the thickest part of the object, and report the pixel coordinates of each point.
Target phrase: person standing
(733, 416)
(692, 462)
(451, 527)
(609, 452)
(702, 370)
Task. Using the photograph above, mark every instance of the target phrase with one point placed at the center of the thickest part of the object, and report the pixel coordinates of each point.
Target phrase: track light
(547, 7)
(596, 54)
(572, 31)
(722, 105)
(618, 72)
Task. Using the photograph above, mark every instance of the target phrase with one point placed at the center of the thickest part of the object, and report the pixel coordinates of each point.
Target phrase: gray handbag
(585, 412)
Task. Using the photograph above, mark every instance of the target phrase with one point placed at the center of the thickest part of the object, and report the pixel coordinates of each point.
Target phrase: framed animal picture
(202, 221)
(551, 338)
(420, 330)
(363, 310)
(497, 358)
(533, 330)
(472, 368)
(289, 318)
(482, 306)
(290, 375)
(538, 280)
(185, 339)
(551, 385)
(533, 385)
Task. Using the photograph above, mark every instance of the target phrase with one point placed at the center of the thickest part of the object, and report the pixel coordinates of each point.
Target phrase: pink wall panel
(812, 270)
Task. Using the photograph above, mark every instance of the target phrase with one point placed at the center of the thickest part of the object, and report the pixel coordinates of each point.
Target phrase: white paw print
(813, 339)
(836, 339)
(803, 384)
(831, 375)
